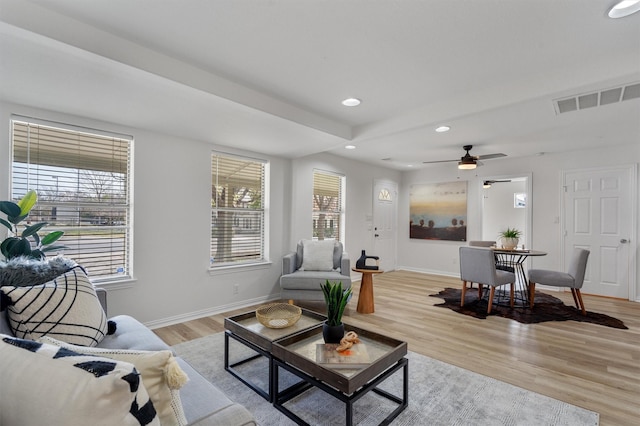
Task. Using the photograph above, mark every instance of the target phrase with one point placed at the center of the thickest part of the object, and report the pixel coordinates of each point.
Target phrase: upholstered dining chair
(481, 243)
(478, 265)
(573, 278)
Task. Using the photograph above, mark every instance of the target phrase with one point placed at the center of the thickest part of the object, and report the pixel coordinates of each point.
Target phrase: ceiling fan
(488, 183)
(469, 162)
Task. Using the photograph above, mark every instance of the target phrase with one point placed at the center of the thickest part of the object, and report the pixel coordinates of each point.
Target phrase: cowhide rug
(546, 308)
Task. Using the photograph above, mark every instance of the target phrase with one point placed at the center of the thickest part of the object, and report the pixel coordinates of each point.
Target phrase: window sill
(245, 267)
(115, 284)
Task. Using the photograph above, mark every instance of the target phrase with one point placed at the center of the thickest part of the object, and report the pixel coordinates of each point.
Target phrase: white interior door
(385, 205)
(598, 216)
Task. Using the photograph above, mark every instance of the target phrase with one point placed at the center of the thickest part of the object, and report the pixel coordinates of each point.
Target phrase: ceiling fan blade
(440, 161)
(468, 157)
(490, 156)
(496, 181)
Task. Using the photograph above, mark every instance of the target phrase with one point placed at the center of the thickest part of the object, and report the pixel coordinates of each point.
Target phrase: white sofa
(203, 403)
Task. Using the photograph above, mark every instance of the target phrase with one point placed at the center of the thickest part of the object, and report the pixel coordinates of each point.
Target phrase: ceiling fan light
(467, 165)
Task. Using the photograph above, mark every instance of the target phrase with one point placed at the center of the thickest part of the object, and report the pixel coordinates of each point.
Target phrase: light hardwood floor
(587, 365)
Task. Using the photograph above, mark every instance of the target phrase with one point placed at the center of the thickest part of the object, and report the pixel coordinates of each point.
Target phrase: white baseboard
(428, 271)
(211, 311)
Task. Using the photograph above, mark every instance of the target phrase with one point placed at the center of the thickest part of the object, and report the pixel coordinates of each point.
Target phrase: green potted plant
(336, 299)
(510, 238)
(27, 244)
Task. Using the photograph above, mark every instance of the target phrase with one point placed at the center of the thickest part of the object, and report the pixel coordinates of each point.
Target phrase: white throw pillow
(161, 375)
(48, 385)
(317, 255)
(66, 308)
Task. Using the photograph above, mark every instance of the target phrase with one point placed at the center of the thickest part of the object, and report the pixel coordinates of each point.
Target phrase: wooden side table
(365, 299)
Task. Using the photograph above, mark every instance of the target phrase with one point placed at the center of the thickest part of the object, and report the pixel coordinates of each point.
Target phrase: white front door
(598, 207)
(385, 204)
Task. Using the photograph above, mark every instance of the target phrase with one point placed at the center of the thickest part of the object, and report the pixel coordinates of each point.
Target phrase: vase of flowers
(336, 299)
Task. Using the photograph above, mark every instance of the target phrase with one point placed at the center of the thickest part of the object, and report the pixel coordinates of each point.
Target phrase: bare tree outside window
(327, 205)
(82, 181)
(237, 211)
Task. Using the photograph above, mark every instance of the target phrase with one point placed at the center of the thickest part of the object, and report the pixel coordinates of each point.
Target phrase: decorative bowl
(278, 315)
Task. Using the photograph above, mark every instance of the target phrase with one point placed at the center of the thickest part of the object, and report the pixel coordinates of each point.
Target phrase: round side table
(365, 298)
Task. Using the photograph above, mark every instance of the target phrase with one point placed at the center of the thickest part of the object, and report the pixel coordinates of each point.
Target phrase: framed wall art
(438, 211)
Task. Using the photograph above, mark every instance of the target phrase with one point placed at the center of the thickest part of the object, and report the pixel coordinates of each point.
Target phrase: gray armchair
(478, 265)
(573, 278)
(310, 265)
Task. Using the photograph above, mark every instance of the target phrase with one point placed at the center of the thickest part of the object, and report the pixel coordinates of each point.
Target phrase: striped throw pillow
(65, 308)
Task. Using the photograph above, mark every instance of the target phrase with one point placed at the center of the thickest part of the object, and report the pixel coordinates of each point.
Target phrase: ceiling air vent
(599, 98)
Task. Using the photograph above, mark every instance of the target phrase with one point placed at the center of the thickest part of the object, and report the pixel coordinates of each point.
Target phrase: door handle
(376, 235)
(624, 241)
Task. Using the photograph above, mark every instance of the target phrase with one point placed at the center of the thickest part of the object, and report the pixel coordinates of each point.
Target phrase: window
(82, 178)
(328, 206)
(237, 210)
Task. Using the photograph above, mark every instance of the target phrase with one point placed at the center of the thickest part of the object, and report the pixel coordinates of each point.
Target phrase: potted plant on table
(510, 238)
(336, 299)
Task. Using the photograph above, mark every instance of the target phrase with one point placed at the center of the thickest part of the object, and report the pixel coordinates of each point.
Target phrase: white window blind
(328, 207)
(237, 210)
(82, 182)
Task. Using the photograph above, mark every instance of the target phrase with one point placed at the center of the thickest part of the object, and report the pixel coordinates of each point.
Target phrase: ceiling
(269, 76)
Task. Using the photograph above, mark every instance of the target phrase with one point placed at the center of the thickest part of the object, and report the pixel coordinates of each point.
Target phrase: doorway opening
(506, 203)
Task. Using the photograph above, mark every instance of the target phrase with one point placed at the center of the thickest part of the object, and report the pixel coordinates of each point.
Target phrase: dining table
(513, 260)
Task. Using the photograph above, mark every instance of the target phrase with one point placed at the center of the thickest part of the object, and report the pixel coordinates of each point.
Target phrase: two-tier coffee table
(297, 355)
(247, 330)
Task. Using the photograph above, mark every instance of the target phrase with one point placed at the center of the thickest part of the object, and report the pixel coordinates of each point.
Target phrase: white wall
(359, 198)
(172, 191)
(442, 256)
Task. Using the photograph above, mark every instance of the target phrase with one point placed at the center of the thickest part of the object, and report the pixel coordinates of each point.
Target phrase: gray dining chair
(478, 265)
(573, 278)
(480, 243)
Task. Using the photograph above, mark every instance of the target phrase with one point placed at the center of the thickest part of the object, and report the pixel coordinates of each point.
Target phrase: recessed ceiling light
(442, 129)
(349, 147)
(351, 102)
(624, 8)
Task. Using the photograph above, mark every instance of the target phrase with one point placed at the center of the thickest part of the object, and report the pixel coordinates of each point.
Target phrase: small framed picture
(519, 200)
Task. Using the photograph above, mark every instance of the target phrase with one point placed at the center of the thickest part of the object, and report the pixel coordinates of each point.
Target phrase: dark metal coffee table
(297, 355)
(247, 330)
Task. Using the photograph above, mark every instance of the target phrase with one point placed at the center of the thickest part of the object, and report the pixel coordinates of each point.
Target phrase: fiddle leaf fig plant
(28, 243)
(336, 299)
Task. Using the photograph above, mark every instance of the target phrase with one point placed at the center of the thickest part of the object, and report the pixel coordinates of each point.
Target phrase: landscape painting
(438, 211)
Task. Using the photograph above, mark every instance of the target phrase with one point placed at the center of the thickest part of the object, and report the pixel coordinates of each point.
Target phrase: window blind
(327, 205)
(237, 211)
(82, 182)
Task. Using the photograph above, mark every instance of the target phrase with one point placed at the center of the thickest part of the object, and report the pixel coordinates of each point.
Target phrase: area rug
(546, 308)
(439, 394)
